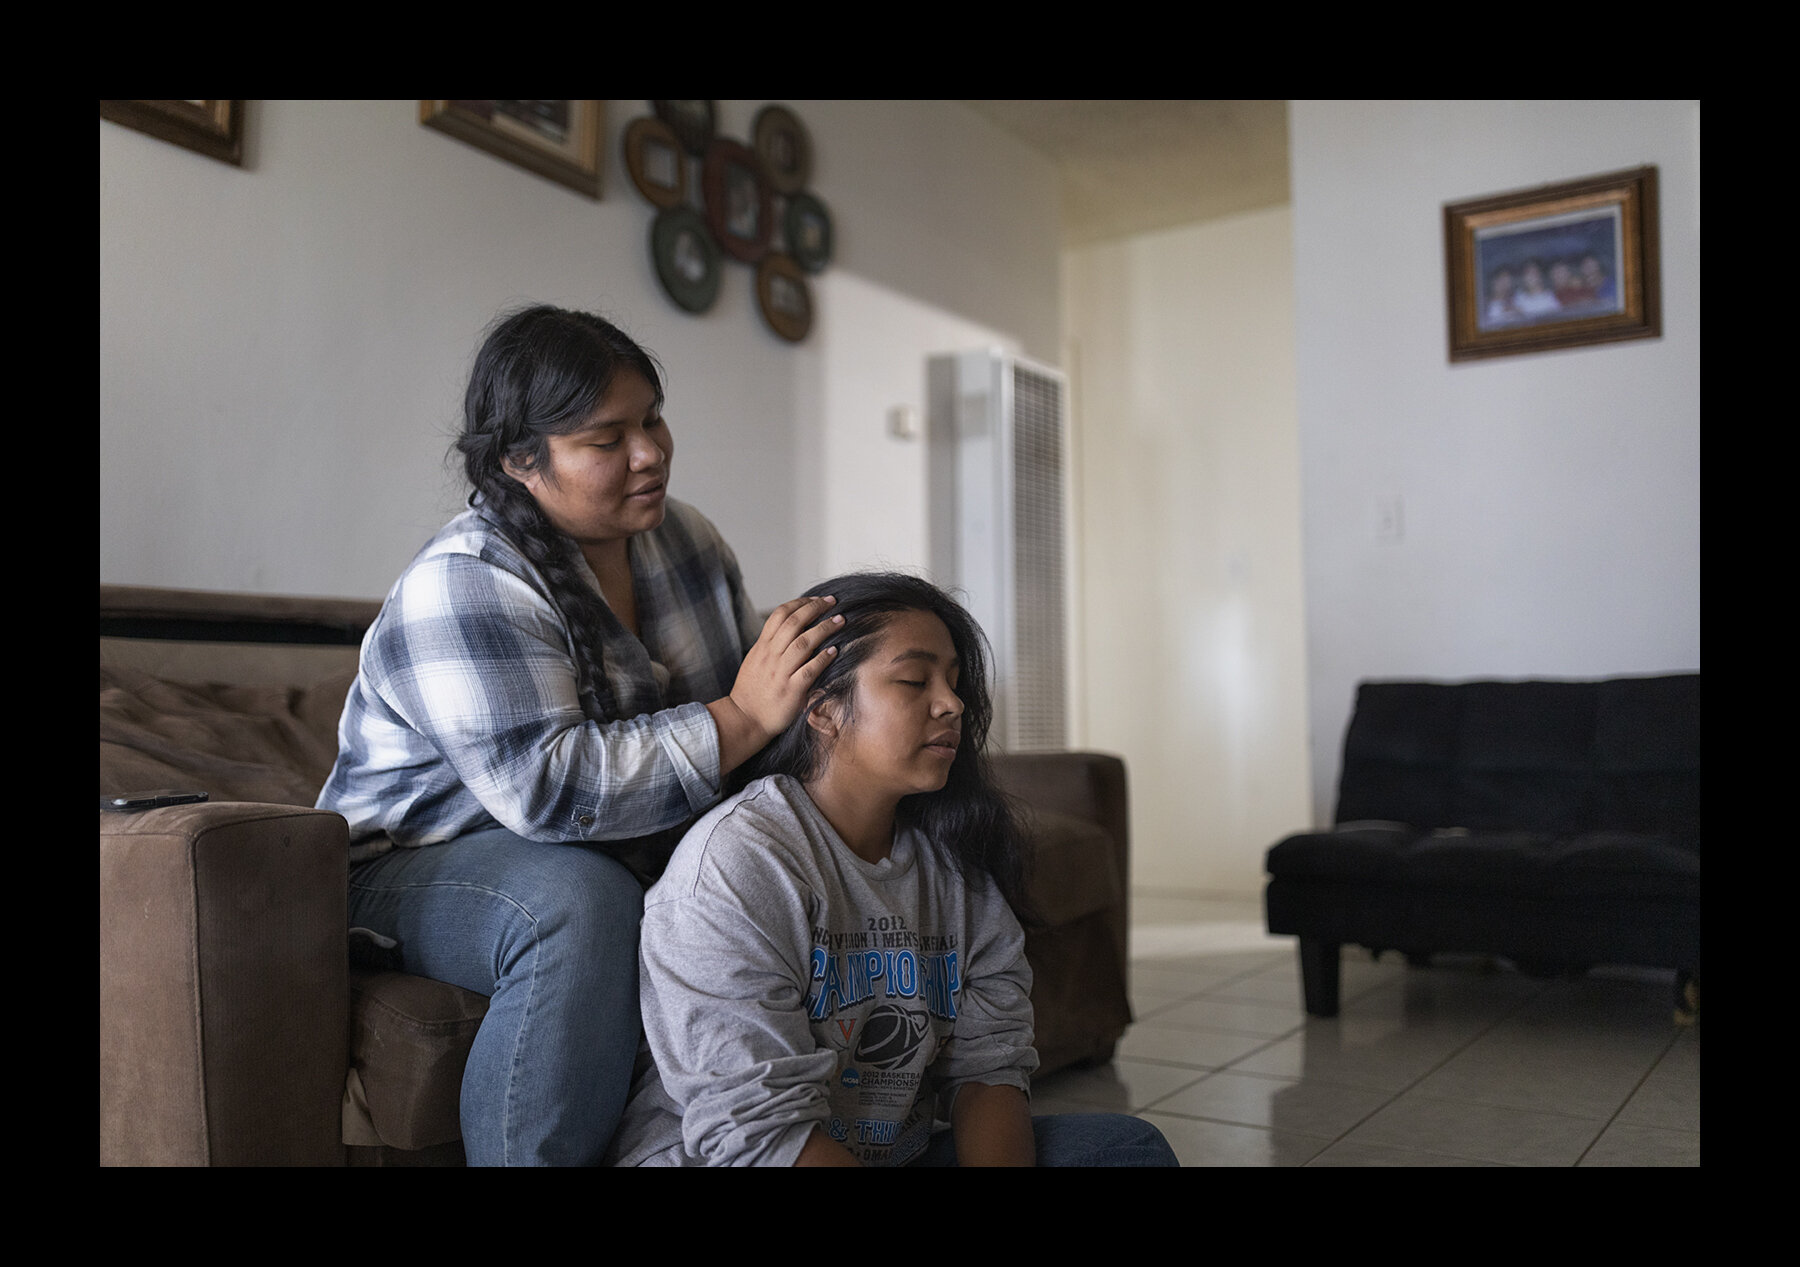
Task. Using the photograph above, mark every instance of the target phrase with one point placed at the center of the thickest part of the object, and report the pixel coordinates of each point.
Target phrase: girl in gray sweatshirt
(832, 966)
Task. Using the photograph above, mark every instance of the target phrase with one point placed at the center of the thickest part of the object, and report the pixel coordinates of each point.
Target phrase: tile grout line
(1638, 1086)
(1474, 1038)
(1388, 1102)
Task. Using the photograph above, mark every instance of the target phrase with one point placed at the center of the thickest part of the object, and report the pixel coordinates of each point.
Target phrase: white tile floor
(1465, 1063)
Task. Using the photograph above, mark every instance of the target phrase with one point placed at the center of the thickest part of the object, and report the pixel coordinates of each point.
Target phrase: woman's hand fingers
(781, 667)
(794, 616)
(807, 631)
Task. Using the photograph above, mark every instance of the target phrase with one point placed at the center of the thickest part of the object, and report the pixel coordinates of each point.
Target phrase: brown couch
(234, 1029)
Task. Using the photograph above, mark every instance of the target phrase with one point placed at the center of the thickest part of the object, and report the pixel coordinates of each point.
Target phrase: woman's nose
(646, 453)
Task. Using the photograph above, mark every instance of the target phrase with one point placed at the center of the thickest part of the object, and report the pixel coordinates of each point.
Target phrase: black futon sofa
(1553, 824)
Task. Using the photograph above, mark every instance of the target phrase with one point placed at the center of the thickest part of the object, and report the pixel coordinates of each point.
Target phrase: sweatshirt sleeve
(992, 1041)
(726, 964)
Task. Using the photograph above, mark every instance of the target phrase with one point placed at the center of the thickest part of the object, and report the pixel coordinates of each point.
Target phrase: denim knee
(583, 901)
(473, 910)
(1100, 1139)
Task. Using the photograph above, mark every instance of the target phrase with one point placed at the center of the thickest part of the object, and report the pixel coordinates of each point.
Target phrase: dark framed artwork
(784, 147)
(739, 205)
(1556, 266)
(784, 297)
(685, 257)
(212, 128)
(692, 122)
(562, 140)
(656, 161)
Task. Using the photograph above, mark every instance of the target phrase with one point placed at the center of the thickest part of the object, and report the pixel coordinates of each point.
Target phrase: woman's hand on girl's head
(774, 680)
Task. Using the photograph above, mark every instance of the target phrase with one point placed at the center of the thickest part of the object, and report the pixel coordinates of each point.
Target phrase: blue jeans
(549, 932)
(1076, 1139)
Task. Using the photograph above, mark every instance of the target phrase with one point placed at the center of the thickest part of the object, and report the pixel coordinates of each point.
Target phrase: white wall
(1551, 502)
(1189, 508)
(873, 484)
(283, 346)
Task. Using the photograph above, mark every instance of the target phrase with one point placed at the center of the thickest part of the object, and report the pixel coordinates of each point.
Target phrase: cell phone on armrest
(131, 802)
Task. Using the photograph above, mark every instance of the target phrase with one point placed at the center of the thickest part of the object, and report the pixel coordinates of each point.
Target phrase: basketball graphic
(890, 1036)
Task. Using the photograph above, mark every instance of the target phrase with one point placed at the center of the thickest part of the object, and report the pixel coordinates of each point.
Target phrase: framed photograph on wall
(786, 151)
(692, 122)
(784, 297)
(739, 206)
(1557, 266)
(212, 128)
(807, 226)
(563, 140)
(656, 161)
(686, 258)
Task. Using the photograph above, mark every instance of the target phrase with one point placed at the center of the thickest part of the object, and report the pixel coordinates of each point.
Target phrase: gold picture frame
(656, 161)
(1555, 266)
(212, 128)
(784, 297)
(564, 141)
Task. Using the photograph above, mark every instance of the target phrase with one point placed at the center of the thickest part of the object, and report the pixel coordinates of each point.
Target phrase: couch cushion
(1553, 757)
(1456, 860)
(409, 1044)
(1616, 864)
(236, 743)
(1349, 852)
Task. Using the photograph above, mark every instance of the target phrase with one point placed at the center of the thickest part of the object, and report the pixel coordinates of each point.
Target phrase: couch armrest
(1080, 951)
(223, 985)
(1086, 785)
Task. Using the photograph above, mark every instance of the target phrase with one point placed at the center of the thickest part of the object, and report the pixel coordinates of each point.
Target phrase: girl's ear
(822, 716)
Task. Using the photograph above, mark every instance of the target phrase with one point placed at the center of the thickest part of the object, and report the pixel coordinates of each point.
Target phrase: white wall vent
(998, 472)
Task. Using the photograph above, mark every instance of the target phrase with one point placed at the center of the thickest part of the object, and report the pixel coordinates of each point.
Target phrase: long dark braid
(541, 371)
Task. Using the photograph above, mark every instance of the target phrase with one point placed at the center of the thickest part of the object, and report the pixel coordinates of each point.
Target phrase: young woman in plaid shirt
(558, 684)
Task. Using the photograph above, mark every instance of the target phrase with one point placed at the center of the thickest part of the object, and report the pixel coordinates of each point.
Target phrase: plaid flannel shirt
(466, 714)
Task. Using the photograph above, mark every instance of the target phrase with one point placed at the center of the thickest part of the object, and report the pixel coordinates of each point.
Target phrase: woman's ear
(526, 475)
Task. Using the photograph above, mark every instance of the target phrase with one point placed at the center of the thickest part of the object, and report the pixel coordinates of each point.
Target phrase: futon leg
(1687, 997)
(1319, 975)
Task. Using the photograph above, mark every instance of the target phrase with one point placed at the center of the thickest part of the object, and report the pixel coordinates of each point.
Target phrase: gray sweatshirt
(787, 983)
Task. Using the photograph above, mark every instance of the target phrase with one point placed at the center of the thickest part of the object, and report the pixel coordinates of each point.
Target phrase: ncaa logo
(890, 1036)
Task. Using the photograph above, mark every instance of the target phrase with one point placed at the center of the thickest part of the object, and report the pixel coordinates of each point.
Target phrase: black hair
(541, 371)
(972, 825)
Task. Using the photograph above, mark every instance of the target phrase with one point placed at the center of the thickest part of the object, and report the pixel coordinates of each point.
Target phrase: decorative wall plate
(738, 204)
(687, 261)
(692, 121)
(807, 227)
(784, 147)
(657, 162)
(785, 297)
